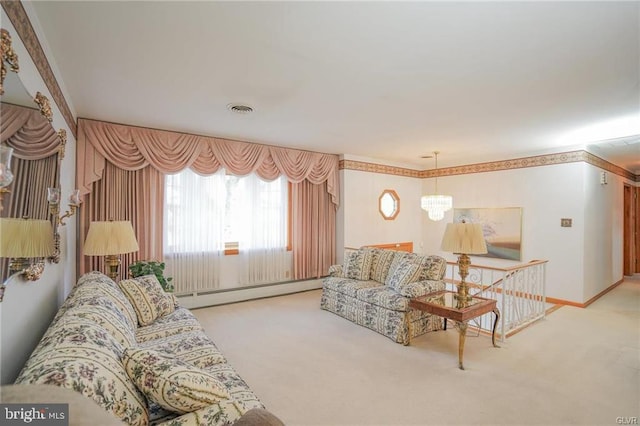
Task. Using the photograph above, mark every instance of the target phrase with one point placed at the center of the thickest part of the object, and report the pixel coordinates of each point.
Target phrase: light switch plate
(565, 223)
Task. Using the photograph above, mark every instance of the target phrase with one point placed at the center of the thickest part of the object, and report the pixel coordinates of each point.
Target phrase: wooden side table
(446, 305)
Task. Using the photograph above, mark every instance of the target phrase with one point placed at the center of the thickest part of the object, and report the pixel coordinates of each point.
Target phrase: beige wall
(360, 223)
(603, 231)
(583, 260)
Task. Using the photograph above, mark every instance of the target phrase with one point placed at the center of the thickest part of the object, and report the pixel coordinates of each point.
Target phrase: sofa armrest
(225, 412)
(258, 417)
(420, 288)
(335, 271)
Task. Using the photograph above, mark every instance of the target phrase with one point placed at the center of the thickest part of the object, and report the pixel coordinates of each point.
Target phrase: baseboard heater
(241, 294)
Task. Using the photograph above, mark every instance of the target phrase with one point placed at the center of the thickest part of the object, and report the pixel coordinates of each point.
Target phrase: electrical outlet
(565, 223)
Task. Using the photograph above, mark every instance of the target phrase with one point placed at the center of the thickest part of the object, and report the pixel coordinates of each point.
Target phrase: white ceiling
(385, 80)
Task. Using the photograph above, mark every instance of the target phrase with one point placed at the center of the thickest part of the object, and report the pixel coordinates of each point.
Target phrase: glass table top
(449, 299)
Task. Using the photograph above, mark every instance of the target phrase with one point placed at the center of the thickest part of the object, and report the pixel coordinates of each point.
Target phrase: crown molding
(494, 166)
(20, 20)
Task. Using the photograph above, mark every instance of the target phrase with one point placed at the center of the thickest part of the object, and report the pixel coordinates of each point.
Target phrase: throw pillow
(400, 256)
(173, 384)
(148, 298)
(358, 265)
(435, 268)
(405, 272)
(380, 264)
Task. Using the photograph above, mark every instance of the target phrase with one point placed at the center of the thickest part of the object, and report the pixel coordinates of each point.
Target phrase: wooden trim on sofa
(406, 246)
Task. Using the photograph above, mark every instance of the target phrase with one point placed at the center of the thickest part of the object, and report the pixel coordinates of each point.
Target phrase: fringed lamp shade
(25, 238)
(110, 238)
(464, 238)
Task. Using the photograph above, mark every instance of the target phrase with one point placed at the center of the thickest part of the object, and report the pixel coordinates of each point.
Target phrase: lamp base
(113, 265)
(2, 192)
(463, 269)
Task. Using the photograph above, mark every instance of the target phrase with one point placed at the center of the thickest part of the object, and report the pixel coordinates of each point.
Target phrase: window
(204, 216)
(209, 213)
(256, 212)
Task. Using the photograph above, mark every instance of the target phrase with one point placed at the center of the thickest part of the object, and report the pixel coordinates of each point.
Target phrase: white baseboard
(243, 294)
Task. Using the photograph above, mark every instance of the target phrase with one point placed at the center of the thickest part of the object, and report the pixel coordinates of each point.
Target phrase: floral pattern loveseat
(146, 360)
(373, 288)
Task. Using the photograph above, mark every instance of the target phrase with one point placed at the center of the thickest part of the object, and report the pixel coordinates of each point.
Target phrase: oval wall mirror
(389, 204)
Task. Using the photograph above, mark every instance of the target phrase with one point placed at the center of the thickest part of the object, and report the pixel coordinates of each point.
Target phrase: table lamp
(110, 239)
(463, 239)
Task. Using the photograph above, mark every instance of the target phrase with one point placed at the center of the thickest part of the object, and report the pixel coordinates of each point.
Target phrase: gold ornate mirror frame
(8, 56)
(10, 62)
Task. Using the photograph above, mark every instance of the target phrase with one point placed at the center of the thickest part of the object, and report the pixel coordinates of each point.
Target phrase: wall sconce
(6, 177)
(110, 239)
(24, 239)
(53, 197)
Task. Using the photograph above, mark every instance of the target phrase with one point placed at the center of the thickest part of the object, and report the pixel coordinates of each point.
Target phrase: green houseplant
(151, 267)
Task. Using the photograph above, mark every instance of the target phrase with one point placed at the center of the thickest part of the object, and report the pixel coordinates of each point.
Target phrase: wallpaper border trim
(493, 166)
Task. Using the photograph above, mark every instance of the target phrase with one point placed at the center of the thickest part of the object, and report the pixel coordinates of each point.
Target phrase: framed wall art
(502, 229)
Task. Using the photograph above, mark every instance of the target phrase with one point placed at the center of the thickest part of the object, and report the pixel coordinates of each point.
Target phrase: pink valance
(134, 148)
(30, 135)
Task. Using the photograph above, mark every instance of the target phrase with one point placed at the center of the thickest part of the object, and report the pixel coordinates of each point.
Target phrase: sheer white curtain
(262, 209)
(201, 213)
(193, 235)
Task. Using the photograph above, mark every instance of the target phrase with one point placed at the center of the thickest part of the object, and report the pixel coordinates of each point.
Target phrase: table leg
(495, 323)
(462, 329)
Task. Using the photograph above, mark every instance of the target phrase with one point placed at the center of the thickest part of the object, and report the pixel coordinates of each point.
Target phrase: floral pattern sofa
(373, 288)
(146, 360)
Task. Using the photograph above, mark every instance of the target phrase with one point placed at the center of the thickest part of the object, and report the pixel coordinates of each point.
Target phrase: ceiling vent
(239, 108)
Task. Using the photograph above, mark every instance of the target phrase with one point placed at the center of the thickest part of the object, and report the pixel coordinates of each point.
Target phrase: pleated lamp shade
(28, 238)
(110, 238)
(464, 238)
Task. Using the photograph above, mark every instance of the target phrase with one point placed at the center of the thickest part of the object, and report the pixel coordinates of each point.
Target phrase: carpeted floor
(311, 367)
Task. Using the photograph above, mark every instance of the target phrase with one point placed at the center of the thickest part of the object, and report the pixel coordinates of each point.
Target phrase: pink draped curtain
(133, 148)
(313, 236)
(34, 164)
(29, 134)
(135, 195)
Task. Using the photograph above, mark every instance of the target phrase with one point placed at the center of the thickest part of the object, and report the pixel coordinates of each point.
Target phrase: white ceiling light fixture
(436, 205)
